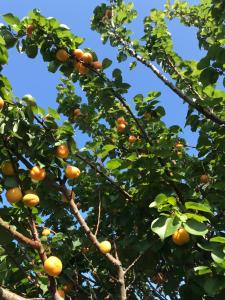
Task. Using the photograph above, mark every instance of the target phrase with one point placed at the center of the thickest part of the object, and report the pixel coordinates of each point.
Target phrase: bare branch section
(204, 111)
(121, 276)
(7, 295)
(133, 263)
(43, 257)
(99, 215)
(19, 236)
(86, 228)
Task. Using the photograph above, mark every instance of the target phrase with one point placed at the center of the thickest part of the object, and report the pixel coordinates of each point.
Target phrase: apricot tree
(131, 215)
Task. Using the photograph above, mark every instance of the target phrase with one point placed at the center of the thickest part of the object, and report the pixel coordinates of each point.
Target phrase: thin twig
(99, 215)
(133, 263)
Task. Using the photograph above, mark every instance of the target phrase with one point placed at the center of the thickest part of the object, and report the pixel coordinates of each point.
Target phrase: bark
(7, 295)
(121, 279)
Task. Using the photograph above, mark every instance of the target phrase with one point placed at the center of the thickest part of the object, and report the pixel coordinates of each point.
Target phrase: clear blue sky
(31, 76)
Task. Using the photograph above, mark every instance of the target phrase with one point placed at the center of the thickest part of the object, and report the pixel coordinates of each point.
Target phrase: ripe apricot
(87, 58)
(61, 293)
(179, 146)
(181, 237)
(82, 69)
(105, 247)
(7, 168)
(14, 195)
(2, 102)
(62, 151)
(68, 286)
(62, 55)
(76, 65)
(37, 173)
(30, 29)
(132, 139)
(121, 127)
(46, 232)
(78, 53)
(204, 178)
(31, 199)
(76, 112)
(53, 266)
(121, 120)
(97, 65)
(72, 172)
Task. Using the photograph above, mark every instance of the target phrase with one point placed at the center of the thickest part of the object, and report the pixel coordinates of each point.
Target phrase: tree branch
(115, 184)
(7, 295)
(133, 263)
(19, 236)
(43, 256)
(84, 225)
(99, 215)
(206, 112)
(121, 277)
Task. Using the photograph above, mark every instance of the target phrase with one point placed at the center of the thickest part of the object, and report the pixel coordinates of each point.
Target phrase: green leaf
(209, 76)
(165, 227)
(10, 182)
(113, 163)
(106, 63)
(214, 285)
(202, 270)
(198, 206)
(59, 236)
(196, 228)
(106, 149)
(76, 244)
(11, 19)
(198, 218)
(3, 52)
(32, 50)
(133, 65)
(218, 256)
(53, 66)
(53, 113)
(218, 239)
(159, 200)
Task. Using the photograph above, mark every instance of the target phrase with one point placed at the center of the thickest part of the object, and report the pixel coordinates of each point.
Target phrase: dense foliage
(139, 186)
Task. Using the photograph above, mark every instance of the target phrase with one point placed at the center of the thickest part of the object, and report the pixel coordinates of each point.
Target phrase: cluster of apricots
(83, 61)
(121, 127)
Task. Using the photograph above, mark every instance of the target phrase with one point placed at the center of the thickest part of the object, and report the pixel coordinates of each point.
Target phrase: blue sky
(31, 76)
